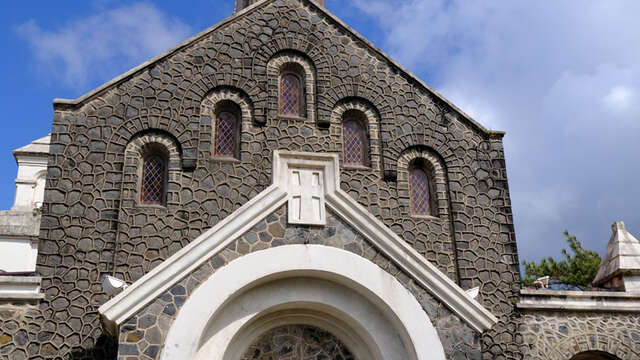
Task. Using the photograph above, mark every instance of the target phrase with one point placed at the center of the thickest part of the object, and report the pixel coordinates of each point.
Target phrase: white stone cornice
(591, 301)
(174, 269)
(412, 262)
(20, 288)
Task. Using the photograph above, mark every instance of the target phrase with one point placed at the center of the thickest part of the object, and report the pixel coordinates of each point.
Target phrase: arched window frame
(434, 167)
(359, 118)
(139, 148)
(154, 153)
(226, 106)
(370, 118)
(297, 63)
(224, 98)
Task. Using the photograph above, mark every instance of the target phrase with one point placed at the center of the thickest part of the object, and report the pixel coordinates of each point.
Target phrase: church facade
(275, 187)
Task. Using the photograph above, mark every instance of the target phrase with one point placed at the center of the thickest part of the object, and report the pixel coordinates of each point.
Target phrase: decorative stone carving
(306, 203)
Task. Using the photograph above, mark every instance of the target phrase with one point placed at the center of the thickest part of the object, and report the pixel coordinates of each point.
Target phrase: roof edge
(65, 104)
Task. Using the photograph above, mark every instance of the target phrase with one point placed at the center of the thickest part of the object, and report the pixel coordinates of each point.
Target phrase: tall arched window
(154, 178)
(420, 191)
(226, 133)
(290, 94)
(354, 139)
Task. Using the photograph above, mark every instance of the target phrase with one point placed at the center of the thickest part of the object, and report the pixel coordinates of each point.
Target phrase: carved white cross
(306, 201)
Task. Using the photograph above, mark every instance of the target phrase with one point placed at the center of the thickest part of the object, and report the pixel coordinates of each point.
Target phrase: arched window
(420, 191)
(290, 94)
(154, 178)
(226, 133)
(354, 138)
(594, 355)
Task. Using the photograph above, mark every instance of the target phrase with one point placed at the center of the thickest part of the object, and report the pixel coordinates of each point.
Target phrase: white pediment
(305, 181)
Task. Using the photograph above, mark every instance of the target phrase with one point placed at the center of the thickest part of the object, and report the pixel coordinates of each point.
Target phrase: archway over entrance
(594, 355)
(314, 286)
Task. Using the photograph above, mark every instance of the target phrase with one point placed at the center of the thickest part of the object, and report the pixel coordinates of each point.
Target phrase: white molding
(593, 301)
(178, 266)
(362, 295)
(185, 261)
(412, 262)
(20, 288)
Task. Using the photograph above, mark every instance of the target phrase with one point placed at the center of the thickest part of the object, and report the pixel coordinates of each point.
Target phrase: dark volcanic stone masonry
(562, 335)
(93, 225)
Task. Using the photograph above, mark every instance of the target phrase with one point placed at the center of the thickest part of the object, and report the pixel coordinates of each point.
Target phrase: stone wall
(91, 224)
(143, 335)
(560, 335)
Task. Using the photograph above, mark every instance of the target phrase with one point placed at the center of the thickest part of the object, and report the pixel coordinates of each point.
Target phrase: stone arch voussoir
(595, 342)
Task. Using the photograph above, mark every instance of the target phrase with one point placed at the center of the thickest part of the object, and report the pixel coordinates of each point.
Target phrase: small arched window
(290, 94)
(354, 138)
(420, 191)
(226, 133)
(154, 178)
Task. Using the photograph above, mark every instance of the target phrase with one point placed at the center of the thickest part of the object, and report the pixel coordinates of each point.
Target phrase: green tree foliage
(579, 269)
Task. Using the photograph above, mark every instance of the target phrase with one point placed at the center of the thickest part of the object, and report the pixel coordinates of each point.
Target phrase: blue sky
(562, 78)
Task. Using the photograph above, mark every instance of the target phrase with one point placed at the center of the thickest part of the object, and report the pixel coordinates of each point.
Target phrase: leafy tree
(579, 269)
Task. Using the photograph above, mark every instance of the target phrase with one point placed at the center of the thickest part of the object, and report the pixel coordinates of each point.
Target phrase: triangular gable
(246, 12)
(293, 173)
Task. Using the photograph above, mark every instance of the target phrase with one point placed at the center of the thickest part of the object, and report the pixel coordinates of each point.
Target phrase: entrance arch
(595, 355)
(317, 286)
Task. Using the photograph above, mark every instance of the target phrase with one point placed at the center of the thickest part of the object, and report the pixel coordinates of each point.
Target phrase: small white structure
(620, 268)
(618, 275)
(20, 226)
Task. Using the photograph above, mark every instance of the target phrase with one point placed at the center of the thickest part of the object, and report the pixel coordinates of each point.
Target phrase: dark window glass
(419, 188)
(226, 133)
(354, 140)
(290, 95)
(153, 180)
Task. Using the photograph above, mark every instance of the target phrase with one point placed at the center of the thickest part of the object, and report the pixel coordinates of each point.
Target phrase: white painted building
(20, 226)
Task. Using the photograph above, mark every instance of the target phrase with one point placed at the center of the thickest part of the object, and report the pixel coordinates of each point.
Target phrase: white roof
(40, 146)
(622, 257)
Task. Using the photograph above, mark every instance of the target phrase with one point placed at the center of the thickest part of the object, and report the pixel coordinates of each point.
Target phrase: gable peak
(242, 4)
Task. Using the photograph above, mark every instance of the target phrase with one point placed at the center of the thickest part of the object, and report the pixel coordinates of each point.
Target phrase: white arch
(195, 327)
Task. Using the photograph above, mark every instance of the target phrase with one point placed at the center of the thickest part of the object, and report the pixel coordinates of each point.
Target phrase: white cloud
(562, 78)
(104, 44)
(620, 98)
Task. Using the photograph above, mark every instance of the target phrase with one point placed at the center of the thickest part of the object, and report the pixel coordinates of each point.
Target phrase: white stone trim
(145, 290)
(20, 288)
(172, 270)
(398, 312)
(593, 301)
(412, 262)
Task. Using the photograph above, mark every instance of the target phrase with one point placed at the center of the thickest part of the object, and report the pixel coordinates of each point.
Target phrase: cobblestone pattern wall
(562, 335)
(298, 342)
(86, 218)
(142, 336)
